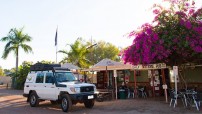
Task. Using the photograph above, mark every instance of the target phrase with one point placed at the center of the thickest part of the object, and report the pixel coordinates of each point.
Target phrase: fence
(5, 82)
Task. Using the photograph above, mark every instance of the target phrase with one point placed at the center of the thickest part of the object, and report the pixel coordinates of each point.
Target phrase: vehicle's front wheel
(89, 103)
(66, 103)
(33, 99)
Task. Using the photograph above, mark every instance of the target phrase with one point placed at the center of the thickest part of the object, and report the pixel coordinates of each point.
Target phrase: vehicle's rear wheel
(33, 99)
(89, 103)
(66, 103)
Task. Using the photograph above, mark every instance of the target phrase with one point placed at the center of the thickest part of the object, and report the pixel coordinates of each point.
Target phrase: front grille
(87, 89)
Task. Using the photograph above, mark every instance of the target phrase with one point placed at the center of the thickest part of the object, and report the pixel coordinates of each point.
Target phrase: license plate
(90, 97)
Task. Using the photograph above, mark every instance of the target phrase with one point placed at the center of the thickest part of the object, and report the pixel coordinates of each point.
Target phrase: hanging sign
(150, 66)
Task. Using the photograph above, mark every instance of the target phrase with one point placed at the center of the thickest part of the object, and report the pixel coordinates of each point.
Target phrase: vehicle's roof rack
(43, 67)
(60, 68)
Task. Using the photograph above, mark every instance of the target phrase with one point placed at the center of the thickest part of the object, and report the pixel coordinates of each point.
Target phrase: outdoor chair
(142, 92)
(174, 97)
(131, 93)
(197, 99)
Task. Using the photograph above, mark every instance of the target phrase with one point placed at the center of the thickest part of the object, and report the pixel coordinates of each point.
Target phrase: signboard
(175, 73)
(115, 73)
(150, 66)
(165, 86)
(175, 70)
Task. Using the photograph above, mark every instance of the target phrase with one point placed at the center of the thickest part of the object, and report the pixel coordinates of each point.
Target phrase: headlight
(75, 89)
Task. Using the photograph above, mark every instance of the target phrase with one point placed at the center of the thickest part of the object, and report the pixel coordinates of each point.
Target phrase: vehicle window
(49, 78)
(64, 76)
(39, 78)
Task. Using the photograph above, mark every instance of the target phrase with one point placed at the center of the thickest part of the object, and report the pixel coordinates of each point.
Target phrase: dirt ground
(12, 102)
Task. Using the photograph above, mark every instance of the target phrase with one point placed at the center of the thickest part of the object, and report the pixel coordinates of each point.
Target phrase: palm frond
(26, 48)
(64, 52)
(8, 45)
(26, 38)
(7, 51)
(4, 39)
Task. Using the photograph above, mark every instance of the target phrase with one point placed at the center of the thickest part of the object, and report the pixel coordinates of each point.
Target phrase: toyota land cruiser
(57, 84)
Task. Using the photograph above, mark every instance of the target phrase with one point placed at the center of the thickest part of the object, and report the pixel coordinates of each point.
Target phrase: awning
(110, 64)
(70, 66)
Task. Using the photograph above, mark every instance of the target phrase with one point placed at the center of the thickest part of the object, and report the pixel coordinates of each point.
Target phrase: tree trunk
(182, 77)
(16, 67)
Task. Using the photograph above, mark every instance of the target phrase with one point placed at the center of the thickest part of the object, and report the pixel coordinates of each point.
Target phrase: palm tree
(77, 54)
(16, 39)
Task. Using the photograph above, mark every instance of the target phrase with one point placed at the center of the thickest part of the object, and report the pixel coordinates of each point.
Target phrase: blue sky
(107, 20)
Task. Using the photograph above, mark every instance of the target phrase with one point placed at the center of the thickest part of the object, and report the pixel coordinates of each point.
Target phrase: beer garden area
(138, 76)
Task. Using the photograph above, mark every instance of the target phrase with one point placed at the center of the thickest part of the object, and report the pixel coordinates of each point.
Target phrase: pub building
(153, 80)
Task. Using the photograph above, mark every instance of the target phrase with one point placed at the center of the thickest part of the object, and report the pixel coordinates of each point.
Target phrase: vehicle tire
(89, 103)
(66, 103)
(53, 102)
(33, 99)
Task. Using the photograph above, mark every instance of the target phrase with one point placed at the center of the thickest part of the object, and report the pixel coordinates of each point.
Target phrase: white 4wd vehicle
(46, 82)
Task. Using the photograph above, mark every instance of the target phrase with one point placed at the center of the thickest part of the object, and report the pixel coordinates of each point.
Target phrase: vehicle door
(39, 84)
(50, 88)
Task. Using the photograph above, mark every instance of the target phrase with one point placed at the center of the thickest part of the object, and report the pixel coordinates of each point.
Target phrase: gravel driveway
(12, 102)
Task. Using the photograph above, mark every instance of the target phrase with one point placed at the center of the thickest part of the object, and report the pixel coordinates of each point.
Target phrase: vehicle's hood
(76, 84)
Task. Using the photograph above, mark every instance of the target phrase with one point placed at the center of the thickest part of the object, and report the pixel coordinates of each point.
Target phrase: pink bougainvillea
(175, 39)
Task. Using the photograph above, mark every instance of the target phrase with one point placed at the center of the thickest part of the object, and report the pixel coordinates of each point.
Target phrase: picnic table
(104, 94)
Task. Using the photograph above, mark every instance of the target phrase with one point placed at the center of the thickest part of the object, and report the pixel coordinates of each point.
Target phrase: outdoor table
(104, 95)
(189, 97)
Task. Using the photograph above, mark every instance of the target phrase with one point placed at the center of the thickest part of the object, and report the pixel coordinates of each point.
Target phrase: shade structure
(110, 64)
(70, 66)
(107, 62)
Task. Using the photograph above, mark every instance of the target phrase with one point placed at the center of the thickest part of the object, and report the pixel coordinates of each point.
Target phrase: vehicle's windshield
(64, 76)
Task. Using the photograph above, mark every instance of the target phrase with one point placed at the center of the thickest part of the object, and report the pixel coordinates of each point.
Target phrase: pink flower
(155, 37)
(191, 11)
(188, 25)
(149, 31)
(198, 49)
(174, 1)
(193, 3)
(181, 22)
(187, 4)
(200, 42)
(131, 34)
(156, 11)
(181, 14)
